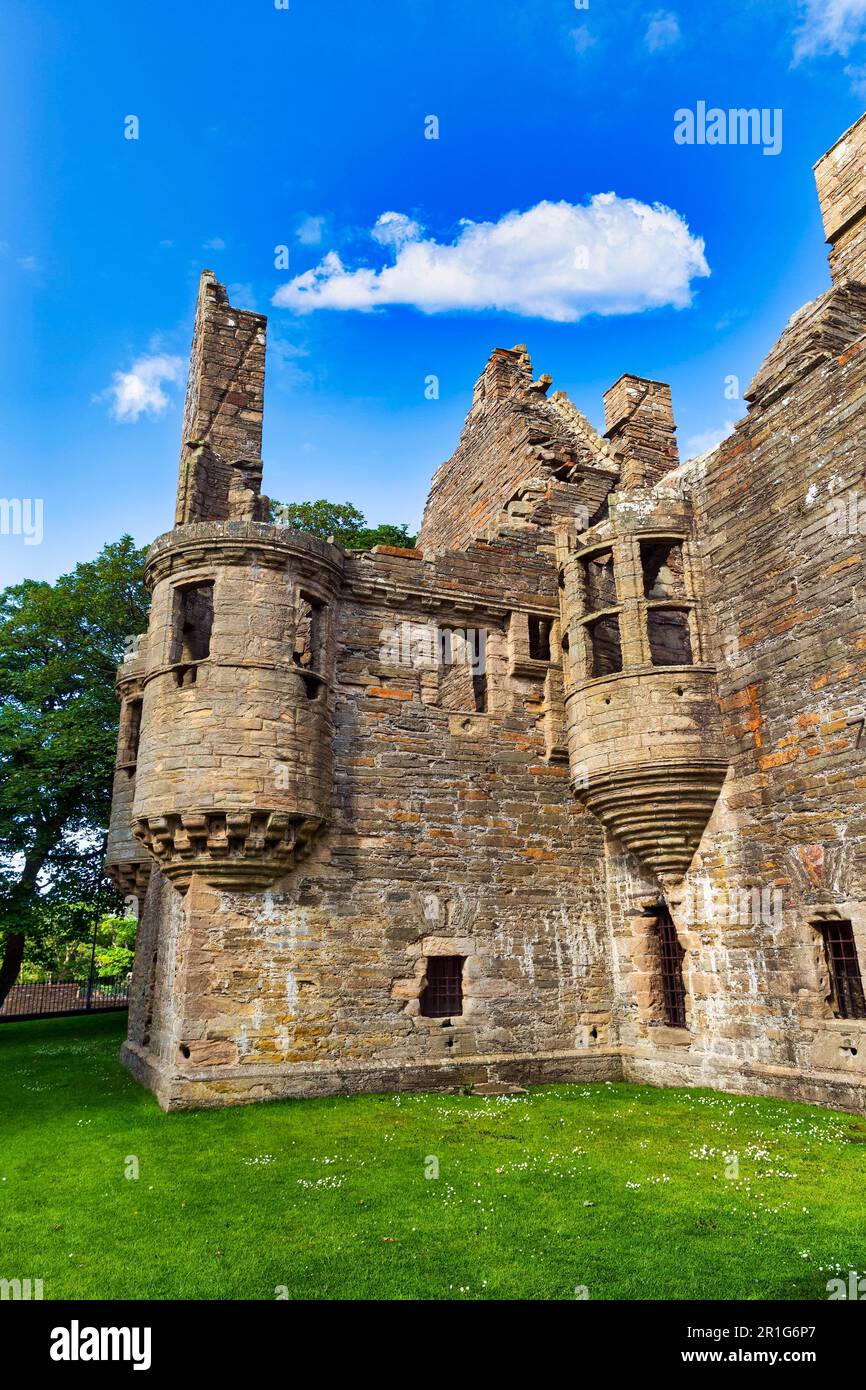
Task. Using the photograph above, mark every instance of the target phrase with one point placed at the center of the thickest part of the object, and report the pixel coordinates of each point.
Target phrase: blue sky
(261, 127)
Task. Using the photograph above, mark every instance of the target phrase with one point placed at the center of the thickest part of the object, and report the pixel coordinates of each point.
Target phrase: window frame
(847, 999)
(450, 990)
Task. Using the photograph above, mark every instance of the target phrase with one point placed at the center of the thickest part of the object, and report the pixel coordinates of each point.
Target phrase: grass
(621, 1189)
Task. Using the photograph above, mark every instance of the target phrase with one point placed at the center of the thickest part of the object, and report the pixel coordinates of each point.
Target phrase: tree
(62, 945)
(59, 647)
(342, 521)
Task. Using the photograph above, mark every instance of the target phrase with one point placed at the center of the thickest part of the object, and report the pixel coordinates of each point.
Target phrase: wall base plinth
(209, 1087)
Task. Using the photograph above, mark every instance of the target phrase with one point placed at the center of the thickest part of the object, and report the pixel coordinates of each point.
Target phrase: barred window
(841, 953)
(443, 995)
(671, 967)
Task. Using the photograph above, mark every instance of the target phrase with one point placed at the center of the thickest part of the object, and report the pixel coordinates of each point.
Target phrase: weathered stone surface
(605, 684)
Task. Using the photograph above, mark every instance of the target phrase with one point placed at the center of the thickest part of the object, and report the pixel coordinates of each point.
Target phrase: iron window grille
(841, 952)
(671, 967)
(443, 995)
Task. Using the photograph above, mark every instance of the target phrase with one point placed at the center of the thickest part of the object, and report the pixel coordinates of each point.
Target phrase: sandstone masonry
(574, 790)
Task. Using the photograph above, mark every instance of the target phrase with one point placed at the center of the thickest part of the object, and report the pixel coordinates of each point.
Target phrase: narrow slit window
(309, 644)
(130, 732)
(669, 638)
(671, 969)
(841, 952)
(193, 622)
(604, 649)
(443, 994)
(539, 637)
(312, 686)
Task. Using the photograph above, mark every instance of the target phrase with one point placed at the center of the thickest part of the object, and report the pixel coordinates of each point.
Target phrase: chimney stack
(639, 421)
(840, 175)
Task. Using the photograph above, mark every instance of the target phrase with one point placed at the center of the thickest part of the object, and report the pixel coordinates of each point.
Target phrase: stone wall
(780, 509)
(451, 831)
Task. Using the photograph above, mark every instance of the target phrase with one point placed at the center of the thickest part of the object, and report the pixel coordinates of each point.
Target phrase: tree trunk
(11, 967)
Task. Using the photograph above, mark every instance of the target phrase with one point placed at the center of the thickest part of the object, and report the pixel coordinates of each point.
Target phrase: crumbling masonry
(574, 790)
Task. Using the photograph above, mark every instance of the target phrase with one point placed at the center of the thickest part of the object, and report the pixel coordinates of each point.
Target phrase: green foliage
(62, 945)
(342, 521)
(115, 946)
(59, 647)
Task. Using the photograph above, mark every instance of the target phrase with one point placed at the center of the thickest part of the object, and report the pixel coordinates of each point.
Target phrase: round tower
(234, 763)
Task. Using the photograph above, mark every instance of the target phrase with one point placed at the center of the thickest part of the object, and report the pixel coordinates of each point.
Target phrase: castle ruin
(572, 791)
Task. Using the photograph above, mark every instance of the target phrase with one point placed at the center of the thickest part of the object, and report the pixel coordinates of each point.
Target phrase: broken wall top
(221, 445)
(514, 436)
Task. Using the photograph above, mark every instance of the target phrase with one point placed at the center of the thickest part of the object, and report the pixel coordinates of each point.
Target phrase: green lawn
(621, 1189)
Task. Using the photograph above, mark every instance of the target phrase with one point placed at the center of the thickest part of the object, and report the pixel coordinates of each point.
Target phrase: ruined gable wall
(512, 434)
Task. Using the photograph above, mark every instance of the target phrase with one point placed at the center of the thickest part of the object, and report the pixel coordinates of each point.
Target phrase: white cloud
(829, 26)
(395, 229)
(216, 243)
(310, 231)
(702, 443)
(582, 39)
(555, 261)
(663, 31)
(139, 391)
(28, 263)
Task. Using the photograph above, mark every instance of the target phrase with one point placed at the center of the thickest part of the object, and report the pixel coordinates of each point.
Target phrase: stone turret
(232, 687)
(644, 730)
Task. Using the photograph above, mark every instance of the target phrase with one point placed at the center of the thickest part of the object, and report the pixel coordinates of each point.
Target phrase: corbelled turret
(644, 729)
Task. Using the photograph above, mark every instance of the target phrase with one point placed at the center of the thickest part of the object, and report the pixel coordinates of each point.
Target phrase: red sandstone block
(409, 552)
(787, 755)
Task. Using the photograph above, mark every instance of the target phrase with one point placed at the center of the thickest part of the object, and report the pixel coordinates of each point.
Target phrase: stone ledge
(244, 1085)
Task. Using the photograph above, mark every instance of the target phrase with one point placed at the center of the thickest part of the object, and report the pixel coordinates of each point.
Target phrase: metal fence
(53, 998)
